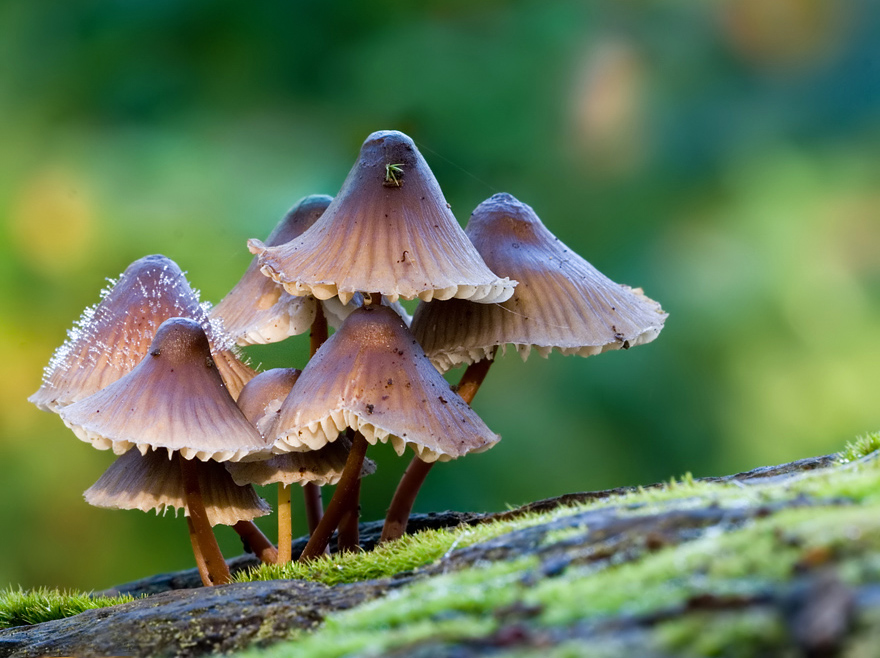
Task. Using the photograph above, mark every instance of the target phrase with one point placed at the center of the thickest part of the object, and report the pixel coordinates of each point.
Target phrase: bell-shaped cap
(173, 399)
(153, 482)
(258, 310)
(111, 338)
(561, 301)
(261, 398)
(373, 377)
(260, 401)
(389, 230)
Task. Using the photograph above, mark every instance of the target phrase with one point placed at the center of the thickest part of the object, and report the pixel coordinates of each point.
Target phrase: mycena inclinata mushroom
(372, 377)
(173, 400)
(398, 240)
(561, 303)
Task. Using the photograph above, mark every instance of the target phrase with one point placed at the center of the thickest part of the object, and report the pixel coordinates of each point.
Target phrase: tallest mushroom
(388, 231)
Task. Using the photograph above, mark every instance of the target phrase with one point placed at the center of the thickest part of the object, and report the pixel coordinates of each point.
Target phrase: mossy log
(776, 561)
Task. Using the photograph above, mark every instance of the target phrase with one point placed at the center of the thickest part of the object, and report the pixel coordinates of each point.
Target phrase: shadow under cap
(112, 337)
(399, 239)
(153, 481)
(258, 310)
(173, 399)
(561, 301)
(260, 401)
(373, 377)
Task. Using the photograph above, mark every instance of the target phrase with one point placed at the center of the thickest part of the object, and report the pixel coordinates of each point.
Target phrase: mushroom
(371, 377)
(258, 310)
(561, 302)
(153, 481)
(113, 336)
(260, 402)
(388, 231)
(175, 400)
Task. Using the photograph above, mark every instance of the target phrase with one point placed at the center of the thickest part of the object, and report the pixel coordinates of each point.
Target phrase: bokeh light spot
(52, 220)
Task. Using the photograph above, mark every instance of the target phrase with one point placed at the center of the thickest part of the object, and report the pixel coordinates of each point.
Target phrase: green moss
(730, 634)
(406, 554)
(20, 607)
(762, 555)
(458, 605)
(451, 607)
(860, 447)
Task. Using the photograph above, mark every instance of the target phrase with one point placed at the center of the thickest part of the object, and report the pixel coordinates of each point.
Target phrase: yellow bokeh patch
(52, 219)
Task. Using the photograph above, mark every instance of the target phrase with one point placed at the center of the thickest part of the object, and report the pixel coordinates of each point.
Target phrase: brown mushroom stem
(200, 533)
(412, 479)
(314, 505)
(473, 378)
(338, 505)
(197, 553)
(256, 541)
(348, 538)
(318, 334)
(285, 525)
(403, 500)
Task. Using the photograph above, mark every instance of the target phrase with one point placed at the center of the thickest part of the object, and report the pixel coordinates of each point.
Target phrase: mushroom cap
(397, 238)
(373, 377)
(262, 396)
(153, 482)
(258, 310)
(561, 301)
(111, 338)
(173, 399)
(319, 467)
(260, 401)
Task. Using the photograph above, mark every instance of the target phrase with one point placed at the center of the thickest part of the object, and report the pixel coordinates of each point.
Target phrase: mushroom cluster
(156, 377)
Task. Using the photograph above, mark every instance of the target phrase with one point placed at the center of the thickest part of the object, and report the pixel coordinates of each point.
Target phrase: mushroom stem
(311, 492)
(216, 572)
(473, 378)
(414, 476)
(314, 505)
(256, 541)
(348, 539)
(318, 334)
(285, 525)
(403, 500)
(197, 553)
(338, 505)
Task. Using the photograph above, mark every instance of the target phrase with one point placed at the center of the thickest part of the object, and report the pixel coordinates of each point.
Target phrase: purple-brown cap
(389, 230)
(111, 338)
(173, 399)
(561, 302)
(373, 377)
(258, 310)
(261, 401)
(153, 482)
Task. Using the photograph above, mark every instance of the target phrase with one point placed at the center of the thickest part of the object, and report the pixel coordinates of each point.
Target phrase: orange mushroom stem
(348, 486)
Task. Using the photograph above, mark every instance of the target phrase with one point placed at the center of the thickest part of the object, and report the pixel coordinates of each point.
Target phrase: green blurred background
(723, 155)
